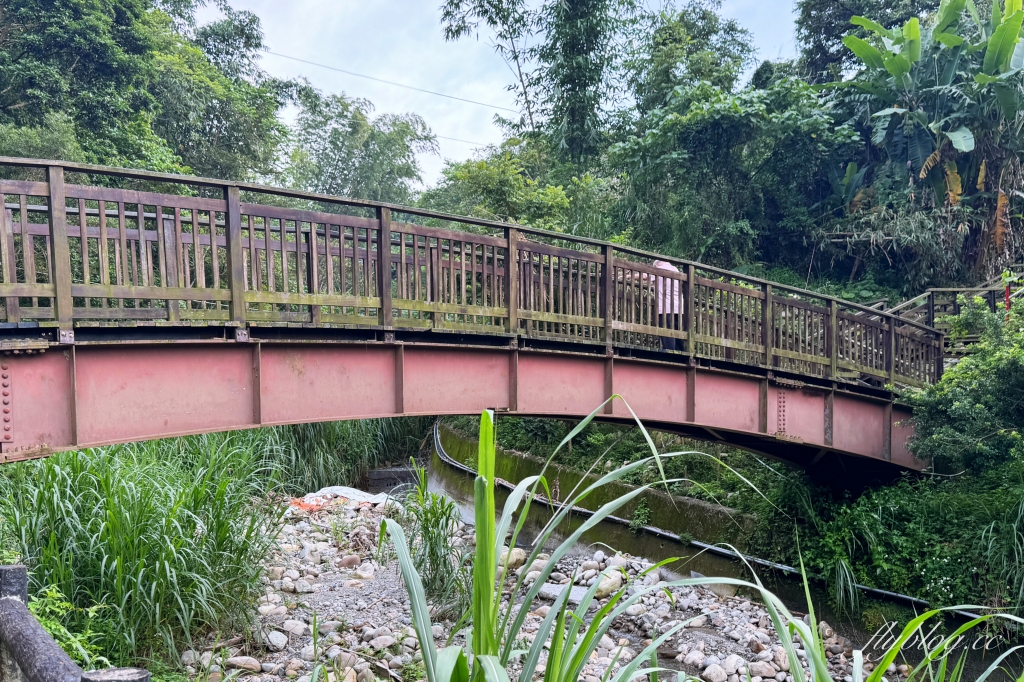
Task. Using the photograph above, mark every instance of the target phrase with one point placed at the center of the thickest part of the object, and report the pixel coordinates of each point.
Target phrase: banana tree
(943, 97)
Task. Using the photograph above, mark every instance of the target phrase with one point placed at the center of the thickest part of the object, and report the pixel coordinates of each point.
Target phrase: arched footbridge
(139, 305)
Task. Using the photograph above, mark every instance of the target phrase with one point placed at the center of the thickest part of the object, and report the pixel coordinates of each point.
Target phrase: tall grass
(169, 537)
(569, 637)
(432, 520)
(308, 457)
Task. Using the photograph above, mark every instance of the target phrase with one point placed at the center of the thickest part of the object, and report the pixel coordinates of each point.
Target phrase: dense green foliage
(898, 174)
(163, 545)
(136, 83)
(136, 549)
(821, 26)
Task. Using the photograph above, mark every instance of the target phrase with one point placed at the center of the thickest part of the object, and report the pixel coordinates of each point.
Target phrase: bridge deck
(107, 272)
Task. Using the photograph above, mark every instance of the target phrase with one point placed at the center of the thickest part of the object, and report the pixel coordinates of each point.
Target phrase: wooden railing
(76, 255)
(934, 307)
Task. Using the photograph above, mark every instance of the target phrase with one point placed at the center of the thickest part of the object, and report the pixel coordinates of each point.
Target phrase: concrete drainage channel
(28, 653)
(718, 550)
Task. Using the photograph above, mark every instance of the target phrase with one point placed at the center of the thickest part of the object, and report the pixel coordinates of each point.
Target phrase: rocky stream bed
(323, 576)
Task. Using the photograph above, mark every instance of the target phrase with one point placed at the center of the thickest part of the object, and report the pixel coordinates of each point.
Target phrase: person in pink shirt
(670, 303)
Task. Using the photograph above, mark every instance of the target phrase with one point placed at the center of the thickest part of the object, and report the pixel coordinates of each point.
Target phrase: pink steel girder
(93, 394)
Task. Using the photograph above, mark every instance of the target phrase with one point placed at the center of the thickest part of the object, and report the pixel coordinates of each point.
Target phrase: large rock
(761, 669)
(244, 663)
(516, 558)
(349, 561)
(732, 663)
(303, 587)
(781, 660)
(552, 592)
(382, 642)
(329, 626)
(189, 657)
(694, 658)
(364, 572)
(617, 560)
(296, 627)
(308, 653)
(636, 610)
(346, 659)
(276, 641)
(610, 584)
(714, 673)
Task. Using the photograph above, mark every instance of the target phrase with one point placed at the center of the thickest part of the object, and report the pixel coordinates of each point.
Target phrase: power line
(400, 85)
(455, 139)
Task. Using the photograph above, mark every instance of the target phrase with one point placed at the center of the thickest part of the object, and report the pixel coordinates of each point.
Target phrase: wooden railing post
(384, 264)
(831, 341)
(890, 360)
(512, 278)
(63, 304)
(767, 325)
(930, 314)
(236, 257)
(607, 288)
(11, 304)
(940, 357)
(689, 309)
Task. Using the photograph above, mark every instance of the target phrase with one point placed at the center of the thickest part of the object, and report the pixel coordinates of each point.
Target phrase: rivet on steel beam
(7, 436)
(6, 375)
(7, 427)
(4, 366)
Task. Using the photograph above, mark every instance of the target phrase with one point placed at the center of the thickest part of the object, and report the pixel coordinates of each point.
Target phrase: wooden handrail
(439, 278)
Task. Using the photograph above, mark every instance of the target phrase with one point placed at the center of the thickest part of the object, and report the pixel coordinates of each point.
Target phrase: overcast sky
(401, 41)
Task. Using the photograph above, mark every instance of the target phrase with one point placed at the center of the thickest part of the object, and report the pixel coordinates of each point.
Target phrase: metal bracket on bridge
(26, 346)
(241, 335)
(66, 337)
(389, 337)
